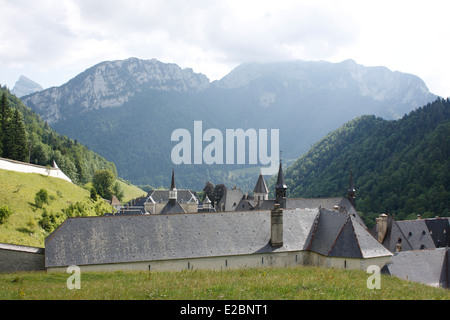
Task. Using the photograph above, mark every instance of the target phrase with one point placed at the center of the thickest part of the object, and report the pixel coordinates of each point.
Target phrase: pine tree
(5, 131)
(19, 140)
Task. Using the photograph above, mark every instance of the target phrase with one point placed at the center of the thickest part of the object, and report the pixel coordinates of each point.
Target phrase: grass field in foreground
(301, 282)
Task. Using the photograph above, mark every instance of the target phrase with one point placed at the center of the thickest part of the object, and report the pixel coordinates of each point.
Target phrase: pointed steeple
(351, 192)
(173, 189)
(261, 191)
(172, 186)
(280, 188)
(280, 179)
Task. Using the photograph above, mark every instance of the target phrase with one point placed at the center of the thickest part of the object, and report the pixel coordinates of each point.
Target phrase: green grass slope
(18, 192)
(293, 283)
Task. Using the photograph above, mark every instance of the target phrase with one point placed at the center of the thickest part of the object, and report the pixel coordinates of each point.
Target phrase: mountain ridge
(111, 84)
(399, 167)
(25, 86)
(135, 104)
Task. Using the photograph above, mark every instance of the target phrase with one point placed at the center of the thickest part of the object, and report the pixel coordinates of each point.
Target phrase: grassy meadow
(290, 283)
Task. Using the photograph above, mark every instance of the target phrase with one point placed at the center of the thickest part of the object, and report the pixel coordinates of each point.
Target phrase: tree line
(25, 137)
(13, 135)
(401, 167)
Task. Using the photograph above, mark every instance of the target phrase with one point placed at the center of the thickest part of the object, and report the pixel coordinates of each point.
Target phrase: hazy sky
(52, 41)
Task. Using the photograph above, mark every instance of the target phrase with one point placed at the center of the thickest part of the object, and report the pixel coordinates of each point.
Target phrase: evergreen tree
(18, 139)
(5, 115)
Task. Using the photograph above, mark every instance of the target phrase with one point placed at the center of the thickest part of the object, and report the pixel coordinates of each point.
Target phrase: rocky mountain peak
(111, 84)
(25, 86)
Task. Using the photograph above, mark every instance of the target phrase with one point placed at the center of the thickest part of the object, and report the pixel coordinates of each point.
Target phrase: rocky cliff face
(111, 84)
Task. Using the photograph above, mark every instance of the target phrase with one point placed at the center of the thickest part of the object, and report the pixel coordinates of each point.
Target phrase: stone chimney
(276, 226)
(382, 227)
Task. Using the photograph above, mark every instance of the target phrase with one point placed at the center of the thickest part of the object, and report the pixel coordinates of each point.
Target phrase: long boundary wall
(276, 259)
(13, 165)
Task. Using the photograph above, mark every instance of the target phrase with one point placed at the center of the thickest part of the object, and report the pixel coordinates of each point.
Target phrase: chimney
(382, 227)
(398, 245)
(276, 226)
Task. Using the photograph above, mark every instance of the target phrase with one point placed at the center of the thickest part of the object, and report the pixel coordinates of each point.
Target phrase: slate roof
(230, 199)
(118, 239)
(261, 186)
(342, 203)
(337, 234)
(425, 266)
(163, 196)
(172, 207)
(440, 231)
(417, 234)
(394, 235)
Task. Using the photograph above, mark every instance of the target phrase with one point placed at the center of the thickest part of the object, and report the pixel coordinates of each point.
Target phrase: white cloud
(52, 41)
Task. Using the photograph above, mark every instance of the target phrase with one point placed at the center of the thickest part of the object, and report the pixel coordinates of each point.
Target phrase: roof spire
(280, 189)
(172, 186)
(173, 190)
(280, 179)
(351, 192)
(261, 186)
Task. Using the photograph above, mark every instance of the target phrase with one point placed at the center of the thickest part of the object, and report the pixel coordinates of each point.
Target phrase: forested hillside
(399, 167)
(26, 137)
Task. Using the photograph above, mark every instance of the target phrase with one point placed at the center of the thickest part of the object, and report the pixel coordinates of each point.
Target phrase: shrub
(41, 198)
(5, 212)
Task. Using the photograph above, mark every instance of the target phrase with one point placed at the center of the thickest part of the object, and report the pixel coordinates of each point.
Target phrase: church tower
(351, 192)
(261, 192)
(173, 189)
(280, 189)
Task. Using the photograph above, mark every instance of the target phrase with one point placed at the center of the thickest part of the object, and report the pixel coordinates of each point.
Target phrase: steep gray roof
(163, 196)
(230, 199)
(338, 234)
(261, 186)
(440, 231)
(417, 234)
(342, 204)
(172, 207)
(426, 266)
(115, 239)
(394, 236)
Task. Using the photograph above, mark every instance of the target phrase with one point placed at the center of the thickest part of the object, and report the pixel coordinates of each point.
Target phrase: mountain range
(127, 110)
